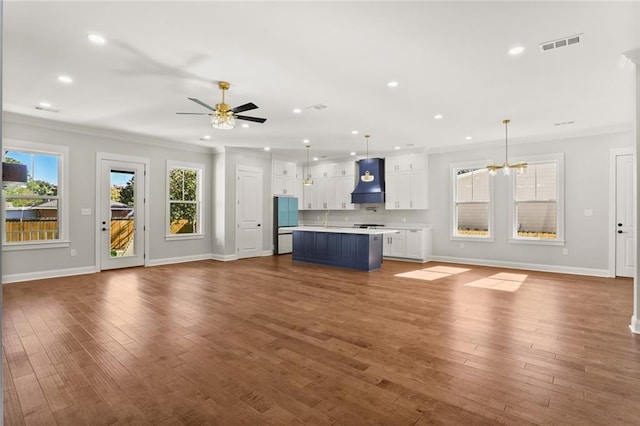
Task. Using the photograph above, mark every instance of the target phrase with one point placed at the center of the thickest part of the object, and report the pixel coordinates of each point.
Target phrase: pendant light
(506, 167)
(367, 176)
(307, 180)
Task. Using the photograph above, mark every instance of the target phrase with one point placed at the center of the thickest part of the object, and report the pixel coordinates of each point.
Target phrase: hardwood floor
(264, 341)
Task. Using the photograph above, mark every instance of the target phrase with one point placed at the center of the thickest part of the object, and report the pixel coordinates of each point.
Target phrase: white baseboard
(224, 257)
(41, 275)
(181, 259)
(529, 266)
(267, 252)
(635, 325)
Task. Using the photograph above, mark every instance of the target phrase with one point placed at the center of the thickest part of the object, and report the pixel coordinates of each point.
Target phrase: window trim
(453, 168)
(199, 168)
(63, 200)
(557, 158)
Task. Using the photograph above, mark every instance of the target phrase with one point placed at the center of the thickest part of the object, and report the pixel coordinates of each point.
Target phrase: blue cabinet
(345, 250)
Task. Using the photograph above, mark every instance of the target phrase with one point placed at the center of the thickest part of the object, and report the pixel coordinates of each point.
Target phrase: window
(35, 212)
(537, 202)
(184, 200)
(472, 207)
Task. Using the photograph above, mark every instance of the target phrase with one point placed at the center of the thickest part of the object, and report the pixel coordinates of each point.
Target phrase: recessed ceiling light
(468, 138)
(516, 50)
(438, 116)
(392, 84)
(354, 132)
(305, 140)
(315, 158)
(206, 137)
(245, 126)
(397, 147)
(45, 104)
(65, 79)
(352, 153)
(96, 38)
(297, 110)
(266, 148)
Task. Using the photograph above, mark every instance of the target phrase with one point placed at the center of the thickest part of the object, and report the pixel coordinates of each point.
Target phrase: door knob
(259, 225)
(620, 231)
(619, 224)
(104, 229)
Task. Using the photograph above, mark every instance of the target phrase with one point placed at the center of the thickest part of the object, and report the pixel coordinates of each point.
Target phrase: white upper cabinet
(284, 178)
(406, 182)
(331, 188)
(406, 162)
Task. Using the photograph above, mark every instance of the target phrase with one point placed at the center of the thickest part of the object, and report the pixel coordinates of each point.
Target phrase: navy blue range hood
(370, 192)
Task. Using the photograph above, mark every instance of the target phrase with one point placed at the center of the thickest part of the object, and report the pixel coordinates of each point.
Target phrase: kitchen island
(351, 248)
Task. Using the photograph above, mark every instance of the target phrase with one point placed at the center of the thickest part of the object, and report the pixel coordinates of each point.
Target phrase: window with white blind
(472, 204)
(537, 202)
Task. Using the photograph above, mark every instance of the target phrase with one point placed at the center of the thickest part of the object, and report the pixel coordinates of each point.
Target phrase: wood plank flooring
(269, 342)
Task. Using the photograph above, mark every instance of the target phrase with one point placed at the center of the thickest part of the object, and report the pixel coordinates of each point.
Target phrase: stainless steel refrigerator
(285, 216)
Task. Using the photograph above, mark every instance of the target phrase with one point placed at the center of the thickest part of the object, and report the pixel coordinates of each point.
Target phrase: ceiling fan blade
(193, 113)
(245, 107)
(254, 119)
(199, 102)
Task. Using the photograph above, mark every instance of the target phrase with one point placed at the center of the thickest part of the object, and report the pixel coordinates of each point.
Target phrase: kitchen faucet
(326, 215)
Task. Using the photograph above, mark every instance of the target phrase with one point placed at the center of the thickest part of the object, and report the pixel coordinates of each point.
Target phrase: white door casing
(625, 216)
(133, 251)
(249, 233)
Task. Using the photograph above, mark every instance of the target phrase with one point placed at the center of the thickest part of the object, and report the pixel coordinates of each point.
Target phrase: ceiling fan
(223, 116)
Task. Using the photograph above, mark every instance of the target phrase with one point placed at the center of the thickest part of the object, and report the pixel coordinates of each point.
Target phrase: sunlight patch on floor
(504, 281)
(433, 273)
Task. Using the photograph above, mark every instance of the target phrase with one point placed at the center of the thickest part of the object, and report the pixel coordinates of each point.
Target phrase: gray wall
(83, 147)
(225, 169)
(586, 172)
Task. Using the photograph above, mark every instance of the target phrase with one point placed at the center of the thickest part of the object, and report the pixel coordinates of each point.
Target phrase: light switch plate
(85, 212)
(588, 212)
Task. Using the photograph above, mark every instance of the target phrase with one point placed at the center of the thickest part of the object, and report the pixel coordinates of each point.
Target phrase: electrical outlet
(404, 219)
(346, 218)
(461, 245)
(73, 252)
(565, 251)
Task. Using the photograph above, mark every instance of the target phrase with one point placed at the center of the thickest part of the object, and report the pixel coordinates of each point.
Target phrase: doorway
(249, 233)
(623, 162)
(121, 214)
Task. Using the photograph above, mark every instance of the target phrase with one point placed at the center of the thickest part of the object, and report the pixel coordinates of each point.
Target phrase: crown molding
(43, 123)
(606, 130)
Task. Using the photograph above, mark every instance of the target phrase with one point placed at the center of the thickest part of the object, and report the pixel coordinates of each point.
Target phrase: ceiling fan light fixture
(223, 120)
(506, 167)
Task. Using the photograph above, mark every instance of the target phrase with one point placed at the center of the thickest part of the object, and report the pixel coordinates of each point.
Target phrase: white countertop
(339, 230)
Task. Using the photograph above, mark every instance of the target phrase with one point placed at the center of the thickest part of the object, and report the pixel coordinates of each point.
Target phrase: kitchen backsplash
(378, 215)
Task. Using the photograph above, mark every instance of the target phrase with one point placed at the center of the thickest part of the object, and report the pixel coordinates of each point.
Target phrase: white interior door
(248, 212)
(625, 217)
(122, 216)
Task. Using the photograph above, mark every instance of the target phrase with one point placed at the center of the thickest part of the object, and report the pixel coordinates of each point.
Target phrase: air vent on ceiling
(47, 109)
(564, 123)
(317, 106)
(562, 42)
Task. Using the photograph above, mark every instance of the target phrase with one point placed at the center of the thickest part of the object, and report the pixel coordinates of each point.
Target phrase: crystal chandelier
(367, 176)
(506, 167)
(307, 180)
(223, 118)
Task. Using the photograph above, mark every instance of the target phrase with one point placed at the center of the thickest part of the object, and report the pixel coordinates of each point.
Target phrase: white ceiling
(449, 58)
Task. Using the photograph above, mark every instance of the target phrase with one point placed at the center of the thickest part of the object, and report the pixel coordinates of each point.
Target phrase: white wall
(586, 162)
(83, 145)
